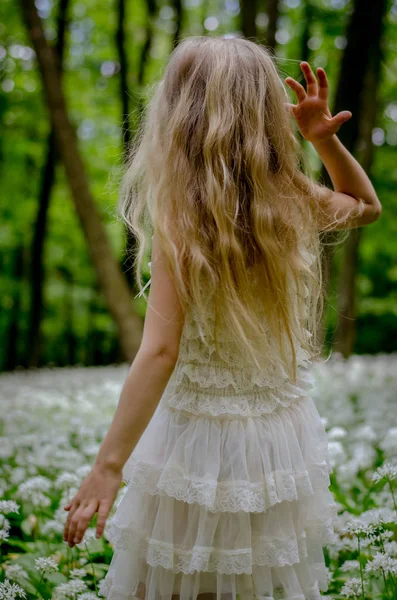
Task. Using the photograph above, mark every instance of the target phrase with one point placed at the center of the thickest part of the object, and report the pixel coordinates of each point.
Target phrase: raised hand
(97, 493)
(312, 113)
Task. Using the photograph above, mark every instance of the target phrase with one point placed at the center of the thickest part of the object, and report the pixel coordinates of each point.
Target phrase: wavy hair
(215, 170)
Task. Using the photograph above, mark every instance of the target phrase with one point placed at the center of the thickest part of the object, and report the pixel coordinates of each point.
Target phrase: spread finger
(311, 81)
(297, 88)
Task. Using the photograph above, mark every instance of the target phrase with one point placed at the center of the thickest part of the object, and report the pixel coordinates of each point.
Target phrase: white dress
(227, 488)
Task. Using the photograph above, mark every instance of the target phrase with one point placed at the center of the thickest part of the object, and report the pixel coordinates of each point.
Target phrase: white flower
(387, 471)
(70, 589)
(352, 588)
(65, 481)
(336, 434)
(51, 528)
(347, 472)
(4, 523)
(9, 506)
(4, 535)
(17, 475)
(389, 442)
(329, 575)
(364, 454)
(358, 527)
(350, 565)
(390, 548)
(78, 573)
(67, 496)
(382, 562)
(337, 453)
(33, 491)
(88, 596)
(378, 516)
(60, 515)
(46, 564)
(10, 591)
(39, 483)
(366, 433)
(14, 571)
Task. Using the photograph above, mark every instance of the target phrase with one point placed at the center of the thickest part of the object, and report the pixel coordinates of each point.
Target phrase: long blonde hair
(215, 172)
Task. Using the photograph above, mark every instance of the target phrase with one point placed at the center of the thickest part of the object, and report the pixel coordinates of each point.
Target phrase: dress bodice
(213, 381)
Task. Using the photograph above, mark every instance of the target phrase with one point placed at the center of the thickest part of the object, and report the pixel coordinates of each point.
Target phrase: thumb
(68, 506)
(289, 107)
(341, 118)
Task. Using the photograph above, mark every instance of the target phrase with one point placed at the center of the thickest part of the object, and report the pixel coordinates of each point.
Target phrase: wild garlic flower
(379, 516)
(387, 471)
(350, 565)
(66, 480)
(382, 563)
(69, 589)
(390, 548)
(46, 564)
(14, 571)
(51, 528)
(4, 532)
(352, 588)
(4, 535)
(78, 573)
(10, 591)
(34, 496)
(9, 506)
(357, 527)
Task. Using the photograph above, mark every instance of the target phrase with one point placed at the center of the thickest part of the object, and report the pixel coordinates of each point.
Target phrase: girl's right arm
(353, 202)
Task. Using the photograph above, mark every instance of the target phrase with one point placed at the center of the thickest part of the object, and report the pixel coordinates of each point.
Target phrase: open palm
(312, 113)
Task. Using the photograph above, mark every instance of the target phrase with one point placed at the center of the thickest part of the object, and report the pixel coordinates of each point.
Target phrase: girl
(216, 434)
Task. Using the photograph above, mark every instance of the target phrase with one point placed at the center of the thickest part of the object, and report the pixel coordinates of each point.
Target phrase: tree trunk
(345, 334)
(178, 7)
(273, 12)
(361, 55)
(126, 132)
(248, 19)
(111, 280)
(308, 12)
(11, 359)
(37, 275)
(122, 55)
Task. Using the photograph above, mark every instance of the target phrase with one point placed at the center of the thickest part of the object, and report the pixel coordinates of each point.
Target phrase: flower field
(52, 423)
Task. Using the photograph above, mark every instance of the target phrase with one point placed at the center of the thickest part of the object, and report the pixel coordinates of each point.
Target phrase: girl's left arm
(141, 393)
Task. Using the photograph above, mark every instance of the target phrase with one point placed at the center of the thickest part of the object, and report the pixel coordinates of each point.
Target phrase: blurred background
(74, 75)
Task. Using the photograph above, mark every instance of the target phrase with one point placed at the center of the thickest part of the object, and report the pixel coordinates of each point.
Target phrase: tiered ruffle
(227, 494)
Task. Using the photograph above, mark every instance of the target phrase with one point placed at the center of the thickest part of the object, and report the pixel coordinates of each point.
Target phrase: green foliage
(76, 325)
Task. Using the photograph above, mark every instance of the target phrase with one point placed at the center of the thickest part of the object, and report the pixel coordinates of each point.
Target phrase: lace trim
(215, 375)
(196, 350)
(226, 496)
(107, 587)
(265, 551)
(189, 398)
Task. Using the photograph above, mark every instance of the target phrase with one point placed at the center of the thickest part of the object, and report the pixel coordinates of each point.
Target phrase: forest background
(74, 76)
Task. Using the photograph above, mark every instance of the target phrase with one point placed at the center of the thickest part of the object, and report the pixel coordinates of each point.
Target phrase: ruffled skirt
(233, 501)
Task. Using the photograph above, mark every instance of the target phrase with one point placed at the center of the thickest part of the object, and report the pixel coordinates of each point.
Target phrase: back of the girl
(216, 434)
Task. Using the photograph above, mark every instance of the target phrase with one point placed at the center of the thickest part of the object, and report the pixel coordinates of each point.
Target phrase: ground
(53, 421)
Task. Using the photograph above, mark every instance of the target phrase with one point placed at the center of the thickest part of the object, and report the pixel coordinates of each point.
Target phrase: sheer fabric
(227, 489)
